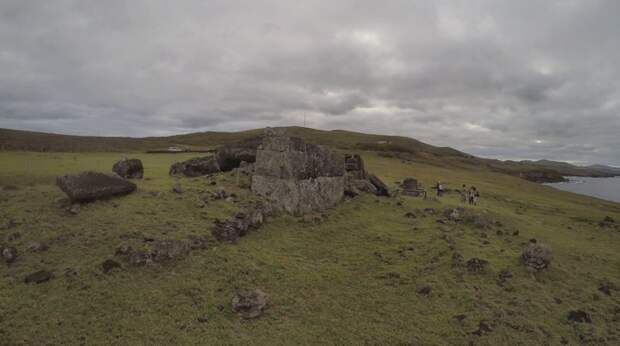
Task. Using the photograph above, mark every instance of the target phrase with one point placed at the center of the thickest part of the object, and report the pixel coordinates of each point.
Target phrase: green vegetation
(352, 279)
(403, 148)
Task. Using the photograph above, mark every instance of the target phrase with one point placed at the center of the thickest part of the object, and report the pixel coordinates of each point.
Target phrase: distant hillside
(402, 147)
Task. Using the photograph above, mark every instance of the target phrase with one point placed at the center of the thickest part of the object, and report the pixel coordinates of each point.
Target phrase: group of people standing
(470, 195)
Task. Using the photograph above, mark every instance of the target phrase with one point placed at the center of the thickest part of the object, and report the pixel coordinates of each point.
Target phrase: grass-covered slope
(395, 146)
(351, 280)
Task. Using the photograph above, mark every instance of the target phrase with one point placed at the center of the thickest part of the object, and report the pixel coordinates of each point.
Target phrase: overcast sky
(506, 79)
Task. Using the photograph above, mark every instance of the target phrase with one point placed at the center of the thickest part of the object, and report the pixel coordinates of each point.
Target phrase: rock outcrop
(129, 168)
(298, 177)
(90, 186)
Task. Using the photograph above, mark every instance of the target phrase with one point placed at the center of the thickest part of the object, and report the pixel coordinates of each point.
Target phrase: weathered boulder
(298, 177)
(382, 189)
(129, 168)
(90, 186)
(579, 316)
(537, 256)
(195, 167)
(230, 157)
(39, 277)
(250, 304)
(37, 246)
(108, 265)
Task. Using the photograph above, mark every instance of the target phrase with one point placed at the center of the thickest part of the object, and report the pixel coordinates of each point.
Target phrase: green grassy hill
(353, 279)
(403, 148)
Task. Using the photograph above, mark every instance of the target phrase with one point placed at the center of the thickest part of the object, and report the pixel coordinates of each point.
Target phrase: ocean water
(605, 188)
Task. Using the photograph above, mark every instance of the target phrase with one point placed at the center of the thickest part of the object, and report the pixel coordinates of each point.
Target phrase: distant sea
(605, 188)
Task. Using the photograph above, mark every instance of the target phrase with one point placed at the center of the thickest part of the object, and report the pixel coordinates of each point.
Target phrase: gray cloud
(506, 79)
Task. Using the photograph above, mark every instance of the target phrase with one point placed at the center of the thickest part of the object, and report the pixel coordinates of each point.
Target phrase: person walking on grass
(439, 188)
(464, 194)
(473, 195)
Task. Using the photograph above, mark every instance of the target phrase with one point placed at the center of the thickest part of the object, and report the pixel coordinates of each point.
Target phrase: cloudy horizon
(501, 79)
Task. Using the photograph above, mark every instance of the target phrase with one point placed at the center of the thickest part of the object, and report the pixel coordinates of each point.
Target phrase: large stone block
(90, 186)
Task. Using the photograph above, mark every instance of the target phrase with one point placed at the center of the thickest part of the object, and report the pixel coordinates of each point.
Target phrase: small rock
(13, 236)
(503, 276)
(459, 317)
(37, 246)
(424, 289)
(456, 258)
(203, 319)
(108, 265)
(9, 254)
(410, 215)
(176, 188)
(476, 265)
(123, 249)
(74, 209)
(39, 277)
(607, 286)
(250, 304)
(198, 243)
(579, 316)
(313, 218)
(483, 328)
(219, 193)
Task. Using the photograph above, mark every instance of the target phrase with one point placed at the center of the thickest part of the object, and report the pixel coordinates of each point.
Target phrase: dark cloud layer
(507, 79)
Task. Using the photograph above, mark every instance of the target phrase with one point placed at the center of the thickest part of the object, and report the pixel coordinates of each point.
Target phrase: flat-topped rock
(89, 186)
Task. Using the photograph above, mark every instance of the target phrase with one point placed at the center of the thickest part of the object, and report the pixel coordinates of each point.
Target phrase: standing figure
(464, 194)
(439, 188)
